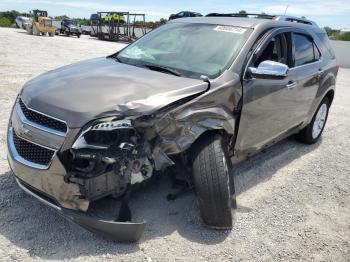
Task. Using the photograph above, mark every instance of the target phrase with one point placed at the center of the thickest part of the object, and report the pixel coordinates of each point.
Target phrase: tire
(78, 35)
(52, 34)
(308, 135)
(29, 30)
(213, 181)
(36, 31)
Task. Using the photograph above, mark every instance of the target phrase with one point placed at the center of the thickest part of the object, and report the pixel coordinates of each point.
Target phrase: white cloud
(100, 6)
(303, 7)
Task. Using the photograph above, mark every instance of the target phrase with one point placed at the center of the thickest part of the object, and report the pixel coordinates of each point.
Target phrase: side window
(181, 14)
(305, 50)
(275, 50)
(316, 52)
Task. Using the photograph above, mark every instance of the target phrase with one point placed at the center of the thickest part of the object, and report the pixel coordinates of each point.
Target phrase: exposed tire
(52, 34)
(36, 31)
(213, 181)
(78, 36)
(313, 131)
(29, 30)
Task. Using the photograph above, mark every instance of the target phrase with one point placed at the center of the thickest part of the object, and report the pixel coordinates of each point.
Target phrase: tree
(5, 22)
(61, 17)
(243, 13)
(344, 36)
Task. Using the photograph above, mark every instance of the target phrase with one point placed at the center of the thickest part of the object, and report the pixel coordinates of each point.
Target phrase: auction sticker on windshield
(230, 29)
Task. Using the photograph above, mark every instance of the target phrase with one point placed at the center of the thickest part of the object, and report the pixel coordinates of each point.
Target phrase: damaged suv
(200, 94)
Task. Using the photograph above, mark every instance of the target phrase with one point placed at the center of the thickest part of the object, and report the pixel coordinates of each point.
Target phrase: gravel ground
(293, 200)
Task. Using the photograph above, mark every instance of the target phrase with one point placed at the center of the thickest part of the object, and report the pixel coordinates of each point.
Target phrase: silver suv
(198, 94)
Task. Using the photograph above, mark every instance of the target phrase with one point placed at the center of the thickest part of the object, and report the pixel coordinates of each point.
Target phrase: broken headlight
(106, 133)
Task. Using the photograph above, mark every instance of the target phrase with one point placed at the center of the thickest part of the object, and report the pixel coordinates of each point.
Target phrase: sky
(333, 13)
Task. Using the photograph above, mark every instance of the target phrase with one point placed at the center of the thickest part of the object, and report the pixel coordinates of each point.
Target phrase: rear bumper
(118, 231)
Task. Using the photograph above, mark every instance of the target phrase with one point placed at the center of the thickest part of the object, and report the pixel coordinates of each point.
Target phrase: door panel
(268, 112)
(269, 105)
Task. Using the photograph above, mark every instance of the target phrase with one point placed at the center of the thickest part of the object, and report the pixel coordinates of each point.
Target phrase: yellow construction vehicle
(40, 24)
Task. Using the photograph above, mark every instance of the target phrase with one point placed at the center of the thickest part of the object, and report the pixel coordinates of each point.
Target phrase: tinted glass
(304, 50)
(324, 39)
(188, 48)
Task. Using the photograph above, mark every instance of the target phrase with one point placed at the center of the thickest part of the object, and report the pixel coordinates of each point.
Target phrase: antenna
(285, 11)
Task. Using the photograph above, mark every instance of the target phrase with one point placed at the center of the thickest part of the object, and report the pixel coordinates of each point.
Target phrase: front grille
(32, 152)
(42, 119)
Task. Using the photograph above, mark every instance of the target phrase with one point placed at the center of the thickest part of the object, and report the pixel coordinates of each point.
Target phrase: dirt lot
(294, 200)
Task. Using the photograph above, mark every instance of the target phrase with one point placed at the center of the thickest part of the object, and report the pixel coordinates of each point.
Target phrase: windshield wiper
(164, 69)
(117, 59)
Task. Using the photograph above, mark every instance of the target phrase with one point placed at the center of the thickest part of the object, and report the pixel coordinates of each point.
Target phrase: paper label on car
(230, 29)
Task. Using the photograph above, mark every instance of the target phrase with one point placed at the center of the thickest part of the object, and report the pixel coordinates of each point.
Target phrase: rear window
(325, 41)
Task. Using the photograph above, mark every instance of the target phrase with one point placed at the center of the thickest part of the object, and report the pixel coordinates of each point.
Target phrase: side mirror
(269, 69)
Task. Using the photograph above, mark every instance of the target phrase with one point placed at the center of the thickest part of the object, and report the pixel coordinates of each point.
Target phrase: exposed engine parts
(107, 157)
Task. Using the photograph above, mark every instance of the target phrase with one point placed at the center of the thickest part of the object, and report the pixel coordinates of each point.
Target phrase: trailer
(118, 26)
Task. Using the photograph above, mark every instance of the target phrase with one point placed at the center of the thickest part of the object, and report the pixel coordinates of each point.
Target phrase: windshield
(191, 49)
(70, 22)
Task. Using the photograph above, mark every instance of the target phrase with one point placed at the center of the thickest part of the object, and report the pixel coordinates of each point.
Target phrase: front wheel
(213, 181)
(36, 31)
(313, 131)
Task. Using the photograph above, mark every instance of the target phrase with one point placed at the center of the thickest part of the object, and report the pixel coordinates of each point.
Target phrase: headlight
(102, 134)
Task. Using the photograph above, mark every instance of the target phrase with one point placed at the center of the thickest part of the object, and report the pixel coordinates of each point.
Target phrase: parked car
(86, 30)
(68, 27)
(184, 14)
(170, 100)
(22, 22)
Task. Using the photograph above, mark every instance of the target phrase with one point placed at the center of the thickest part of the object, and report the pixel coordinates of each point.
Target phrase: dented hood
(99, 87)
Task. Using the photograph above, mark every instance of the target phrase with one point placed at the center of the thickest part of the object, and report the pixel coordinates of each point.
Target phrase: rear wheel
(213, 181)
(313, 131)
(52, 34)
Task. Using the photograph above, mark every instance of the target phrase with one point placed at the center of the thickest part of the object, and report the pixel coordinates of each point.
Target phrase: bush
(344, 36)
(5, 22)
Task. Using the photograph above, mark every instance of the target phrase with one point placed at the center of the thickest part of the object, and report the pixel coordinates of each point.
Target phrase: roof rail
(266, 16)
(295, 20)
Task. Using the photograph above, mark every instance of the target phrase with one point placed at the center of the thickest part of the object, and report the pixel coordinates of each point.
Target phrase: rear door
(306, 71)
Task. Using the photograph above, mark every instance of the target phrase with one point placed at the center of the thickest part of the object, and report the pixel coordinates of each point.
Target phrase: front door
(268, 103)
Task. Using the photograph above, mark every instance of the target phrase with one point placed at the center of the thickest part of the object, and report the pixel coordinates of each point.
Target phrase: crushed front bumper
(46, 182)
(118, 231)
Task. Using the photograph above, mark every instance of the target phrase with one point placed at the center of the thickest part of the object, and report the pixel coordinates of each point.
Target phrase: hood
(99, 87)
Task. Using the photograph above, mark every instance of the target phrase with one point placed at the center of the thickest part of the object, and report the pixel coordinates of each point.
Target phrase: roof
(245, 22)
(233, 21)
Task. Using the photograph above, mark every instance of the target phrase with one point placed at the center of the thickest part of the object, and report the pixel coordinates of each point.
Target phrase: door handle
(291, 84)
(320, 72)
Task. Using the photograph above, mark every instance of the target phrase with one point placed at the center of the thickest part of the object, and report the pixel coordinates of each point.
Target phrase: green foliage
(5, 22)
(61, 17)
(7, 18)
(334, 34)
(344, 36)
(82, 21)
